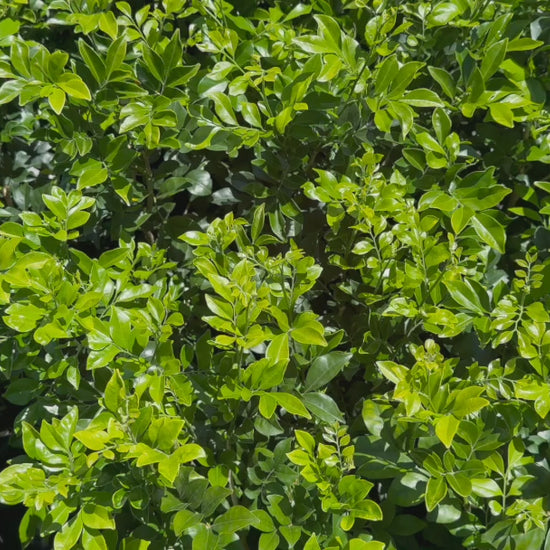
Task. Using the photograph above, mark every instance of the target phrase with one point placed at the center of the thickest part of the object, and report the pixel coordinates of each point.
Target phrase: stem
(504, 491)
(148, 178)
(151, 200)
(6, 195)
(356, 80)
(234, 500)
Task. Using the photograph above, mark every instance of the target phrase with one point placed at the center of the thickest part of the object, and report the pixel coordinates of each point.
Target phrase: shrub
(275, 275)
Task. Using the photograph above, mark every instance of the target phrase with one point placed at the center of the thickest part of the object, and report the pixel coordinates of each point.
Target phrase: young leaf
(68, 536)
(73, 85)
(57, 99)
(446, 428)
(114, 392)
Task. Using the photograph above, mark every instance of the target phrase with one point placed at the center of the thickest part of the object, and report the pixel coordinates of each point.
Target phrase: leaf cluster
(275, 274)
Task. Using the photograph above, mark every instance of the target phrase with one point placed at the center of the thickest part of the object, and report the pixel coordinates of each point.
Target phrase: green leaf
(442, 124)
(115, 392)
(392, 371)
(309, 335)
(8, 27)
(422, 97)
(324, 368)
(115, 56)
(330, 30)
(258, 222)
(267, 405)
(360, 544)
(492, 59)
(429, 143)
(489, 231)
(283, 119)
(23, 317)
(265, 522)
(74, 86)
(437, 199)
(200, 183)
(523, 44)
(446, 428)
(436, 491)
(444, 12)
(189, 452)
(445, 80)
(312, 543)
(323, 407)
(120, 329)
(486, 488)
(251, 114)
(108, 24)
(406, 74)
(537, 312)
(467, 401)
(163, 433)
(297, 11)
(93, 61)
(291, 403)
(183, 520)
(464, 294)
(542, 405)
(130, 543)
(114, 257)
(57, 99)
(205, 539)
(460, 218)
(90, 173)
(305, 440)
(460, 483)
(68, 536)
(385, 75)
(10, 90)
(195, 238)
(93, 540)
(291, 533)
(93, 439)
(516, 450)
(299, 457)
(77, 219)
(269, 541)
(56, 203)
(502, 113)
(306, 330)
(405, 114)
(278, 349)
(235, 519)
(223, 108)
(134, 115)
(97, 517)
(21, 391)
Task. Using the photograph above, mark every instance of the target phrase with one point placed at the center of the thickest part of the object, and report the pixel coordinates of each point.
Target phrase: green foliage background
(275, 275)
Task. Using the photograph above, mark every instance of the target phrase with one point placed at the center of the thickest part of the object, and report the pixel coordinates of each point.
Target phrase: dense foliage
(275, 275)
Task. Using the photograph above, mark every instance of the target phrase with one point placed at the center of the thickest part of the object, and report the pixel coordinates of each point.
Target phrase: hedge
(276, 275)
